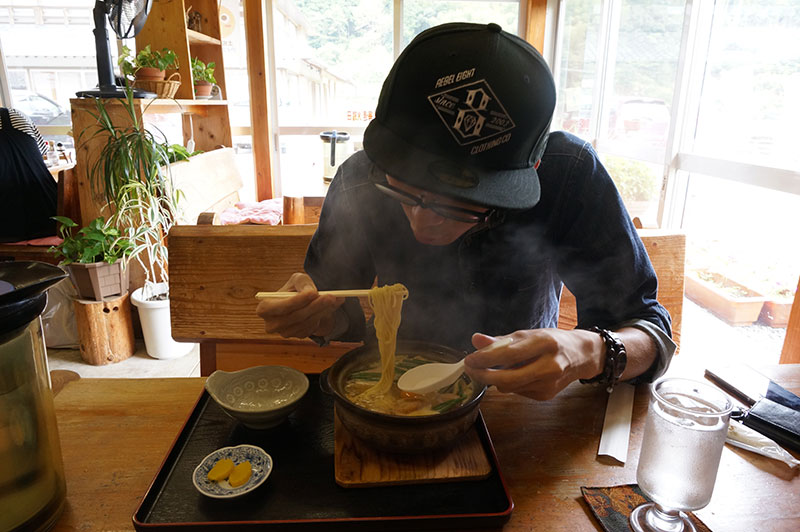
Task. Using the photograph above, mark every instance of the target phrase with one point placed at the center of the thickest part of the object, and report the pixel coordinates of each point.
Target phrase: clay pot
(202, 89)
(399, 434)
(150, 74)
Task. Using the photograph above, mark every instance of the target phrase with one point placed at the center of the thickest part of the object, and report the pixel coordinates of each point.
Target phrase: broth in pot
(399, 403)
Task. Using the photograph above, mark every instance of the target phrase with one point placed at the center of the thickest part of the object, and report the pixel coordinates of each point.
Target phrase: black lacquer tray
(301, 493)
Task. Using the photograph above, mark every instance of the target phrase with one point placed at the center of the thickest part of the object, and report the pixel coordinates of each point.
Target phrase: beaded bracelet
(616, 360)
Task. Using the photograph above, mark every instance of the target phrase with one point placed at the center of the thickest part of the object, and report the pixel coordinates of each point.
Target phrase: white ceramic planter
(156, 327)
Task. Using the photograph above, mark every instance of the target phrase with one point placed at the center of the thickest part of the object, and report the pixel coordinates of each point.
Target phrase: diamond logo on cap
(471, 112)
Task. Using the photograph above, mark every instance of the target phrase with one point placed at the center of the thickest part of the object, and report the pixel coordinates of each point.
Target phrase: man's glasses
(446, 211)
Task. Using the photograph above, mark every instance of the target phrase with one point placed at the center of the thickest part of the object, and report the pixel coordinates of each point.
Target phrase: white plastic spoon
(427, 378)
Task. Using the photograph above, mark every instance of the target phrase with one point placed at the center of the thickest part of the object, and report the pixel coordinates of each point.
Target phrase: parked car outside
(643, 119)
(40, 109)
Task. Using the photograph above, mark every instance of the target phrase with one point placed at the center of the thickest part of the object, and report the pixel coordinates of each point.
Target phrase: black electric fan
(127, 18)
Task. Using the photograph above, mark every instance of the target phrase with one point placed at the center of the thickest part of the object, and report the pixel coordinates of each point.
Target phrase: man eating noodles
(464, 196)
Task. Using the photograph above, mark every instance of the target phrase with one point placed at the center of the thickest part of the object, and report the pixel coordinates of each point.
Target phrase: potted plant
(147, 70)
(147, 64)
(133, 172)
(95, 257)
(778, 306)
(202, 77)
(732, 302)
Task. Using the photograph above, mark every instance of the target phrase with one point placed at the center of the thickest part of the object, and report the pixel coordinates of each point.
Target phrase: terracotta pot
(150, 74)
(202, 88)
(776, 313)
(399, 434)
(718, 297)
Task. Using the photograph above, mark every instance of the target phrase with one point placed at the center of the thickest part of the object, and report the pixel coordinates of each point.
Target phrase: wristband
(616, 360)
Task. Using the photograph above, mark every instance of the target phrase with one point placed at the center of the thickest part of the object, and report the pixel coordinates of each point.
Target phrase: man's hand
(539, 363)
(300, 316)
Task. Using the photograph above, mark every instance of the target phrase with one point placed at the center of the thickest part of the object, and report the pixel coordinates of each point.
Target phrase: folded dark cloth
(612, 506)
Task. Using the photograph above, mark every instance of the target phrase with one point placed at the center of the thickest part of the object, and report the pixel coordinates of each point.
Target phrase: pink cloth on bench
(267, 212)
(44, 241)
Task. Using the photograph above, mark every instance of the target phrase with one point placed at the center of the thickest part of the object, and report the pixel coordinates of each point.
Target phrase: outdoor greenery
(341, 30)
(100, 241)
(634, 179)
(202, 71)
(146, 58)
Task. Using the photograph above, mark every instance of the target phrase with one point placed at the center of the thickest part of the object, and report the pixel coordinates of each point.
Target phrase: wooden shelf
(166, 28)
(195, 37)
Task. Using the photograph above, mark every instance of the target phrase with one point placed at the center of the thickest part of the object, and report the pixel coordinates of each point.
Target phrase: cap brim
(504, 189)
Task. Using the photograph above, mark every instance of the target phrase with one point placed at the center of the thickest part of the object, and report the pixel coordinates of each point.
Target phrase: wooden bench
(215, 272)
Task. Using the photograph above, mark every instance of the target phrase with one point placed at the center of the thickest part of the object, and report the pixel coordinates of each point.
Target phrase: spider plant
(132, 172)
(149, 213)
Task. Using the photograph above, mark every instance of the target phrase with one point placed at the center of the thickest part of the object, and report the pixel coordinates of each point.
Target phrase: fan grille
(127, 16)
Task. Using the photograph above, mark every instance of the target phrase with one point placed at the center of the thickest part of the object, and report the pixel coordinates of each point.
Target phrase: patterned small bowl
(260, 397)
(260, 462)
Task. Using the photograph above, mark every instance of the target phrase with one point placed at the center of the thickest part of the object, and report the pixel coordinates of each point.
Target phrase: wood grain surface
(116, 432)
(356, 465)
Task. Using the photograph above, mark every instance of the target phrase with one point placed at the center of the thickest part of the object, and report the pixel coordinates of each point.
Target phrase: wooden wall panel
(667, 251)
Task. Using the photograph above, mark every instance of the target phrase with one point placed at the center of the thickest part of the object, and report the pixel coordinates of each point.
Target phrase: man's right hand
(302, 315)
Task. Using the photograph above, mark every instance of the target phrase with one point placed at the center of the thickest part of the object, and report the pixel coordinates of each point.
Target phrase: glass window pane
(330, 59)
(643, 63)
(43, 77)
(577, 70)
(639, 184)
(234, 49)
(419, 15)
(749, 108)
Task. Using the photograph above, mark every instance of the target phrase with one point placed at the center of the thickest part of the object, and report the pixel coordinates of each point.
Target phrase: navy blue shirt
(502, 276)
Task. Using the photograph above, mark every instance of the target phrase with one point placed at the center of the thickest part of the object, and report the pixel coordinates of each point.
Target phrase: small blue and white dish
(260, 462)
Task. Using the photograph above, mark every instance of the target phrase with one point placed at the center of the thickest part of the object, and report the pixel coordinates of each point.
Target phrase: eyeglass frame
(445, 211)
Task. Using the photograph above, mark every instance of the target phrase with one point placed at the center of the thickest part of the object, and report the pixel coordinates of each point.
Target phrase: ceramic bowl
(260, 397)
(260, 462)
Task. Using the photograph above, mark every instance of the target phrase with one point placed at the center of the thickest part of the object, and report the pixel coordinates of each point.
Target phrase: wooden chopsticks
(337, 293)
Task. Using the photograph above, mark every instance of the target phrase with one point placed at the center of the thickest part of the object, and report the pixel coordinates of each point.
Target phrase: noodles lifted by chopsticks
(387, 304)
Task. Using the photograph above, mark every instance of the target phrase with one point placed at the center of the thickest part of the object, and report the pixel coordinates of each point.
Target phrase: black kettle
(32, 484)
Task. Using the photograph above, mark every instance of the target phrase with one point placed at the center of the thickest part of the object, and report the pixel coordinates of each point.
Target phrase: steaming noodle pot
(399, 403)
(393, 422)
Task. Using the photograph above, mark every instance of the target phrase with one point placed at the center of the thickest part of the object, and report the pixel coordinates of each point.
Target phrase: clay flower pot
(728, 300)
(202, 89)
(150, 74)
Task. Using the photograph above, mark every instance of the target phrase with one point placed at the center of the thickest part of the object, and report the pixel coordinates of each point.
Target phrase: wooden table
(116, 432)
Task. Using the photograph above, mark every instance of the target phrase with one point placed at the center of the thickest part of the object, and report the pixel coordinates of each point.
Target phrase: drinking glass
(685, 430)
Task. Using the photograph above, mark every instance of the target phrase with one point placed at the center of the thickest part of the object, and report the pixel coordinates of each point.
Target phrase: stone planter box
(730, 301)
(775, 313)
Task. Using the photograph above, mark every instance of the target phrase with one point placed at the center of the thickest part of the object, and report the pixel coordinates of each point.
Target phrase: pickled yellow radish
(221, 470)
(240, 474)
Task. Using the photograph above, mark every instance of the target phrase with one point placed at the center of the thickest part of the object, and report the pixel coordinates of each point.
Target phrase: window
(615, 75)
(43, 76)
(692, 107)
(331, 58)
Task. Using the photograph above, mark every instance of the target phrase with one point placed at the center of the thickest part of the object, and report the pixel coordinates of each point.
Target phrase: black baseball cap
(465, 112)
